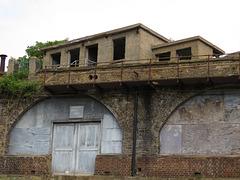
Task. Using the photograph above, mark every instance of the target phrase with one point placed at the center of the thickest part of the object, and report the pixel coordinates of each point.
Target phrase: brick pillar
(13, 66)
(3, 58)
(34, 66)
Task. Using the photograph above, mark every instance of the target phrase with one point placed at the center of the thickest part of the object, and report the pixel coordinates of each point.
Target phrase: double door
(74, 148)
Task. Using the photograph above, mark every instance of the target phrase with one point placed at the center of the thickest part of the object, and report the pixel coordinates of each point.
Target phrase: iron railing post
(150, 70)
(121, 73)
(95, 74)
(69, 75)
(208, 72)
(177, 69)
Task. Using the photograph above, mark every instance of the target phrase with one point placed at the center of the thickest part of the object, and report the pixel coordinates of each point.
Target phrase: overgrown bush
(17, 85)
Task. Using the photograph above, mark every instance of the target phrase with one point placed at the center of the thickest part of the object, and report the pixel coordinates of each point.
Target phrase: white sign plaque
(76, 112)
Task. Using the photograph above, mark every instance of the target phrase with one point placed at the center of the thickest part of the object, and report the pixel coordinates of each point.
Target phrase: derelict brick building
(127, 101)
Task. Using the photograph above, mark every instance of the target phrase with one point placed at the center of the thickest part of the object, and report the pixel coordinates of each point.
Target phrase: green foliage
(198, 176)
(35, 50)
(18, 86)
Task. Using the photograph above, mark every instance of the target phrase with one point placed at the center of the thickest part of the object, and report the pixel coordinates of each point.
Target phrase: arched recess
(32, 133)
(206, 124)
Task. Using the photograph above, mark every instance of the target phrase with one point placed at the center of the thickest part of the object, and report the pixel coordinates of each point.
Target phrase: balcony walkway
(147, 72)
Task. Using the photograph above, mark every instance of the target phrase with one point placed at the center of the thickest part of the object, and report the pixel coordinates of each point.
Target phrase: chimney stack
(2, 66)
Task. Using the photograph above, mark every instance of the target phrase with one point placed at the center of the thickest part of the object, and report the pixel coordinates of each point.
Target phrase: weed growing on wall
(18, 86)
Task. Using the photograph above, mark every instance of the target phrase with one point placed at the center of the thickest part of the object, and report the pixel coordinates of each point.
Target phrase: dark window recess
(119, 49)
(184, 54)
(92, 54)
(56, 58)
(74, 57)
(163, 56)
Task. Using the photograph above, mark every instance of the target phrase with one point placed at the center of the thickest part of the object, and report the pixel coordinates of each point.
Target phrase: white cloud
(26, 21)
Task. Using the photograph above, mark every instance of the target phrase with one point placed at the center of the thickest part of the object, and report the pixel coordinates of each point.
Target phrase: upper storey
(133, 42)
(127, 43)
(186, 49)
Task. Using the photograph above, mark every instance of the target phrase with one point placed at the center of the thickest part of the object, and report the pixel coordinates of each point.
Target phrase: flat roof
(107, 33)
(215, 48)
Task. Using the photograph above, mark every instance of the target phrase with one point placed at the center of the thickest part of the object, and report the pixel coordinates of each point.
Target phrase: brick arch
(108, 105)
(122, 107)
(222, 88)
(17, 111)
(187, 98)
(89, 106)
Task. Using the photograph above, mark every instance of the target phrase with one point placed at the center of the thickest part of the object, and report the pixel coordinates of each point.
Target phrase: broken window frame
(184, 54)
(119, 48)
(56, 59)
(163, 56)
(94, 58)
(74, 62)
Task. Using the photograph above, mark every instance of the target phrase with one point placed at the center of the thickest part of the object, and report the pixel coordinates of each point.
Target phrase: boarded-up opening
(75, 146)
(163, 56)
(184, 54)
(74, 56)
(119, 48)
(56, 58)
(92, 54)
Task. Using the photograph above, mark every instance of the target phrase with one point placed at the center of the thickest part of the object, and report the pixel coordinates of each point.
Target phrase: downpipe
(133, 169)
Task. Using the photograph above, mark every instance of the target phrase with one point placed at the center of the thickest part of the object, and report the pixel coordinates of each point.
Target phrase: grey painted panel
(111, 147)
(32, 121)
(170, 139)
(193, 111)
(217, 139)
(210, 124)
(29, 141)
(110, 122)
(232, 109)
(112, 135)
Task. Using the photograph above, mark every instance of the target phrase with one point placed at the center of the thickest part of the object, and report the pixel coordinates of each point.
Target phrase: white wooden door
(75, 147)
(87, 148)
(63, 151)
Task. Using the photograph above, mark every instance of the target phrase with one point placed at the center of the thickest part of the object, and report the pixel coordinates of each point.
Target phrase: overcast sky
(23, 22)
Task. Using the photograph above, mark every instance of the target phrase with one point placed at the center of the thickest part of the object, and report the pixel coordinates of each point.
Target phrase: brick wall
(118, 165)
(170, 166)
(25, 165)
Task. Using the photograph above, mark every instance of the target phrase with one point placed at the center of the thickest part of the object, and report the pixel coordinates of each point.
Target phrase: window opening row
(119, 46)
(182, 54)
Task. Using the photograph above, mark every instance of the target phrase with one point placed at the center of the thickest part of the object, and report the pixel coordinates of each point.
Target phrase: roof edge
(107, 33)
(220, 51)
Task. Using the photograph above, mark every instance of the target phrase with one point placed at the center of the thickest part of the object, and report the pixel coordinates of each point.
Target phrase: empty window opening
(119, 49)
(92, 54)
(74, 57)
(163, 56)
(184, 54)
(56, 58)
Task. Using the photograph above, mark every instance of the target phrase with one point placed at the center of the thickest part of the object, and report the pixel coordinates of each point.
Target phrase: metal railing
(147, 65)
